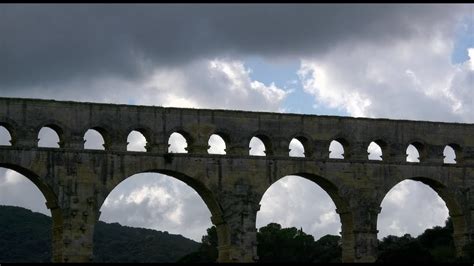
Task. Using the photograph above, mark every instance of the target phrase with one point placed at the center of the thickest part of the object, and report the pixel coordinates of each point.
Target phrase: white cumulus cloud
(402, 79)
(412, 79)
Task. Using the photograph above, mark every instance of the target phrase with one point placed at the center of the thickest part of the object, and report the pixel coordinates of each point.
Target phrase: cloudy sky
(365, 60)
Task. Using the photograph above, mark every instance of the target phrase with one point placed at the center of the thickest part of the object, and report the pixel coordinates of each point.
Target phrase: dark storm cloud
(46, 44)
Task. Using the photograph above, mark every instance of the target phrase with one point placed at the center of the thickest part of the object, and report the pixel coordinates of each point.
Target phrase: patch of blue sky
(464, 38)
(284, 75)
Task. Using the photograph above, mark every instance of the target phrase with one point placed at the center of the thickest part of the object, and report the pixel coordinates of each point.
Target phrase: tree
(328, 249)
(207, 252)
(277, 244)
(403, 249)
(439, 241)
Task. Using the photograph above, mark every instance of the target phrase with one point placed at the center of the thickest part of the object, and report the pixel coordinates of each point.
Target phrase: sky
(398, 61)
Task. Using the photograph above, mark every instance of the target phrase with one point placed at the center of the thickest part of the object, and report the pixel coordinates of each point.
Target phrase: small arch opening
(375, 151)
(94, 140)
(449, 155)
(336, 150)
(413, 153)
(48, 138)
(136, 141)
(257, 147)
(5, 137)
(296, 148)
(216, 145)
(177, 143)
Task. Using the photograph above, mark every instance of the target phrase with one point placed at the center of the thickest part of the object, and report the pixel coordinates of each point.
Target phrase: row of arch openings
(49, 137)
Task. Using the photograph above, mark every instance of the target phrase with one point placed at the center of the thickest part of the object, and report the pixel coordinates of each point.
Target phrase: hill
(26, 237)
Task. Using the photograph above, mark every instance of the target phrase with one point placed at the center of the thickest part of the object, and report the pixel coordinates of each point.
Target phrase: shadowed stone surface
(76, 181)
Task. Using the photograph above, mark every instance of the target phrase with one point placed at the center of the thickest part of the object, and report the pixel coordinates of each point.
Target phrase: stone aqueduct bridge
(76, 182)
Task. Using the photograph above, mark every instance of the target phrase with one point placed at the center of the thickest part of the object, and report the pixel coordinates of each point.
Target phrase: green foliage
(439, 241)
(433, 245)
(207, 252)
(276, 244)
(26, 237)
(328, 249)
(117, 243)
(403, 249)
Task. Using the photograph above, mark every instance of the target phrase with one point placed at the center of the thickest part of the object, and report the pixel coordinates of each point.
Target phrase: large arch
(448, 195)
(51, 203)
(202, 191)
(341, 208)
(206, 194)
